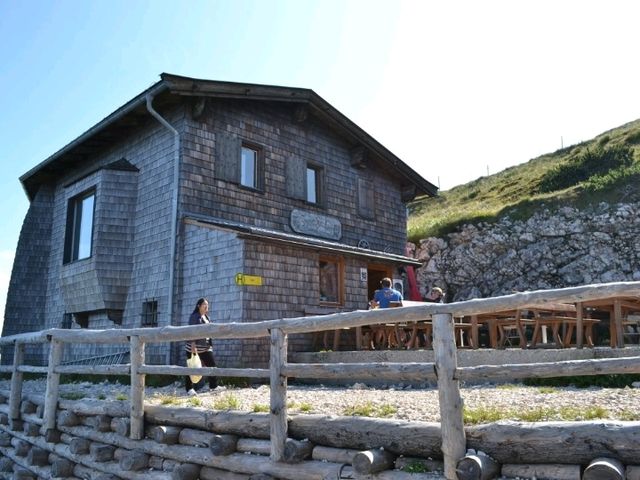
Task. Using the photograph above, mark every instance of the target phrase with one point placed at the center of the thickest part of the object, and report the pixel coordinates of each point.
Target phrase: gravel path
(515, 400)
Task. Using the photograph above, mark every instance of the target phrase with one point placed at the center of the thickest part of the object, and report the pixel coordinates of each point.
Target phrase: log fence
(57, 422)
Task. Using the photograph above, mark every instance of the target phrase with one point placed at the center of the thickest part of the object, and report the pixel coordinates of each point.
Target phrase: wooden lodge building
(264, 199)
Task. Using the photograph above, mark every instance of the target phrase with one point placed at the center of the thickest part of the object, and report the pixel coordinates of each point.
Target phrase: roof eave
(300, 241)
(196, 87)
(104, 123)
(189, 86)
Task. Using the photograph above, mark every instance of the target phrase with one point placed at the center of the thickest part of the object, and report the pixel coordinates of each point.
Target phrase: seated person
(384, 296)
(436, 295)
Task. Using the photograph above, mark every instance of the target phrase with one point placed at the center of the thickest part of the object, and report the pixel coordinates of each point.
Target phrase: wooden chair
(419, 332)
(631, 328)
(328, 339)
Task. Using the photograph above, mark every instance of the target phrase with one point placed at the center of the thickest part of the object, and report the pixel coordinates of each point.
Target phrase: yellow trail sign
(242, 279)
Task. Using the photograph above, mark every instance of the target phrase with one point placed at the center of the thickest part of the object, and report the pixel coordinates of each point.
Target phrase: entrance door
(375, 274)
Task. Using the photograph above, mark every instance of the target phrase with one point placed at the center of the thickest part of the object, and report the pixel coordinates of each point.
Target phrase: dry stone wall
(552, 249)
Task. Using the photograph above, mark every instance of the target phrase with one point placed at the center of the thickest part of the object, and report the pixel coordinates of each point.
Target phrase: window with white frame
(313, 184)
(79, 231)
(249, 167)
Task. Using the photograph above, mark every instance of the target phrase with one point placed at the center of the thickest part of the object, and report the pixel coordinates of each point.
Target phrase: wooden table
(426, 330)
(619, 309)
(570, 324)
(499, 323)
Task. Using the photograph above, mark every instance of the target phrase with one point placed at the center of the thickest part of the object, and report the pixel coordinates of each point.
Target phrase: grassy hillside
(606, 168)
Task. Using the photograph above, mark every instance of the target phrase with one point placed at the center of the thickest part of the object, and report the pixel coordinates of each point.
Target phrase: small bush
(604, 140)
(482, 415)
(572, 414)
(227, 402)
(595, 413)
(260, 408)
(168, 399)
(368, 409)
(121, 396)
(386, 410)
(360, 410)
(629, 416)
(195, 402)
(536, 415)
(596, 161)
(415, 467)
(612, 178)
(633, 138)
(545, 390)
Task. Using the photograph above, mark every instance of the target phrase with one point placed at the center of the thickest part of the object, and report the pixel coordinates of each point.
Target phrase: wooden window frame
(318, 184)
(258, 169)
(149, 316)
(339, 262)
(366, 199)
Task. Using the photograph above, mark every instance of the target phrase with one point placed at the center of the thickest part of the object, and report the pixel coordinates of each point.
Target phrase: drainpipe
(174, 205)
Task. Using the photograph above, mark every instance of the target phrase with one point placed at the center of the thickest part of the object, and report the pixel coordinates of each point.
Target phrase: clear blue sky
(454, 88)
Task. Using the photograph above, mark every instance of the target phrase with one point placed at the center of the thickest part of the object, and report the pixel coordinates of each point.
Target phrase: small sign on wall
(398, 285)
(243, 280)
(363, 275)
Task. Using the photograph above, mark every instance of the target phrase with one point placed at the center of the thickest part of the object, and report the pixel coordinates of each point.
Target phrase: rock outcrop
(556, 249)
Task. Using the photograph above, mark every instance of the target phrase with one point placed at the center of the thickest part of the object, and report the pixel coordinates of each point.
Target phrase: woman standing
(202, 346)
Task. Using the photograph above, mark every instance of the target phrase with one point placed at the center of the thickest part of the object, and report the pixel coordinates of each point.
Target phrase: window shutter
(227, 161)
(366, 199)
(296, 178)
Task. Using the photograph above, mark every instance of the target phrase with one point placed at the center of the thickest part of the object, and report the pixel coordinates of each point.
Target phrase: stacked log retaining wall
(47, 437)
(91, 442)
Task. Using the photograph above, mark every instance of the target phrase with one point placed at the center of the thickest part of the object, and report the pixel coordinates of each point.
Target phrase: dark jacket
(202, 344)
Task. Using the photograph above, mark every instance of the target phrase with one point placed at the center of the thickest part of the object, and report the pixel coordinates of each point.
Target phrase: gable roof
(171, 88)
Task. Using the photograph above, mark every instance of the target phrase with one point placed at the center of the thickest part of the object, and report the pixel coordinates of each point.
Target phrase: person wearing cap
(436, 295)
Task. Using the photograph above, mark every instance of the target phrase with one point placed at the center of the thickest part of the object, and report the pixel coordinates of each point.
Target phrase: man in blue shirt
(386, 295)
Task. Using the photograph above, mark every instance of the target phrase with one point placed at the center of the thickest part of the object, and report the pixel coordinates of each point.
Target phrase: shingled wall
(28, 286)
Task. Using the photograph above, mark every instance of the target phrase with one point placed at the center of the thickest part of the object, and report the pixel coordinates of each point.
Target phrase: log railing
(444, 369)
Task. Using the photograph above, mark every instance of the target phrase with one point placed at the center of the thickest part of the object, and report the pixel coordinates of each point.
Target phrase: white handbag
(194, 362)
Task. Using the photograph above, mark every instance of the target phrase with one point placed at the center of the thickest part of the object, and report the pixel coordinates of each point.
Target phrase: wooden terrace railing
(444, 369)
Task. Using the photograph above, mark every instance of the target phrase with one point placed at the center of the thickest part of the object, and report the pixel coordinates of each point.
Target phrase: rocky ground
(513, 401)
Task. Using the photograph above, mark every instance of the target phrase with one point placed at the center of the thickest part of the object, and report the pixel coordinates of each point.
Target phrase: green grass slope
(604, 169)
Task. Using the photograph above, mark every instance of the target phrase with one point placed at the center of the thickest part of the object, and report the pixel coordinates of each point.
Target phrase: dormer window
(79, 231)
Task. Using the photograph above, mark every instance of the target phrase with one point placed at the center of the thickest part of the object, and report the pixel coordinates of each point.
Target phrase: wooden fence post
(451, 422)
(52, 389)
(579, 325)
(278, 383)
(15, 398)
(137, 389)
(617, 319)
